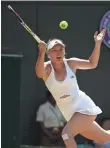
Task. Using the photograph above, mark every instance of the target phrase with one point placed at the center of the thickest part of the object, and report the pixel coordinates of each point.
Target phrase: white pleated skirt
(82, 104)
(86, 105)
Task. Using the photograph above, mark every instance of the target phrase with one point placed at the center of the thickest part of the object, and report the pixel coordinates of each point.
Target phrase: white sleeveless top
(68, 96)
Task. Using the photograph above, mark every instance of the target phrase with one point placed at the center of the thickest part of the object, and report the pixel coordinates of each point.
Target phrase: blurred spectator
(105, 124)
(51, 122)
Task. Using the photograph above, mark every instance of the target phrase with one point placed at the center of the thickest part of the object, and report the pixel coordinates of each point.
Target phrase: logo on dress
(64, 96)
(72, 77)
(105, 23)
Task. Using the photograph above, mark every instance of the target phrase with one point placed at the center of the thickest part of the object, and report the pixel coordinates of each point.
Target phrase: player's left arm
(92, 62)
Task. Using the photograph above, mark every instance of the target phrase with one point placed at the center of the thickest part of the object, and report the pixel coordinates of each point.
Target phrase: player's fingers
(104, 32)
(95, 34)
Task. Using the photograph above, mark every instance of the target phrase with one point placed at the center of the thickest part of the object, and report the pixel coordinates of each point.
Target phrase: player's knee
(67, 133)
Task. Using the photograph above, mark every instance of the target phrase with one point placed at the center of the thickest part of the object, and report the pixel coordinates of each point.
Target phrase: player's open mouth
(58, 57)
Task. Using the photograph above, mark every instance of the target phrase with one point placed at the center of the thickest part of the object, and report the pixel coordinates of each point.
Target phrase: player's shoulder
(71, 63)
(71, 60)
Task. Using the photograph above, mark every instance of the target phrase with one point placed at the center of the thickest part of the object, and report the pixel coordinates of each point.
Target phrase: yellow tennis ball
(63, 24)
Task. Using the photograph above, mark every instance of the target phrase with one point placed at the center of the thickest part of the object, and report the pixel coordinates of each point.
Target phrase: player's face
(57, 53)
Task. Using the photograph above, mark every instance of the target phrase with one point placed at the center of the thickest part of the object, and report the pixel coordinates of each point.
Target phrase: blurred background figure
(51, 122)
(105, 123)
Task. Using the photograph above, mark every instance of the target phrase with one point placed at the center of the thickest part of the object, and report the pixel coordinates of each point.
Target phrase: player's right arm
(42, 68)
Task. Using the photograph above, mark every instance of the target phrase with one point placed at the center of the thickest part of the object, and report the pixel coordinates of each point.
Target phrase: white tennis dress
(68, 96)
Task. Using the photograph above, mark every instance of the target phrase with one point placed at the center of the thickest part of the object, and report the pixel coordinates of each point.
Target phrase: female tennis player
(59, 77)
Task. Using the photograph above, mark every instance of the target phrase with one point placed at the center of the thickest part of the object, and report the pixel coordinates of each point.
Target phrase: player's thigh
(79, 123)
(95, 132)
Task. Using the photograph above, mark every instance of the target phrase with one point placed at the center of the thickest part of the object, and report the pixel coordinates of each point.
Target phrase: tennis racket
(24, 24)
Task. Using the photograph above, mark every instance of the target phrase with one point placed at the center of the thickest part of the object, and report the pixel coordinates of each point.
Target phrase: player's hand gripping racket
(24, 24)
